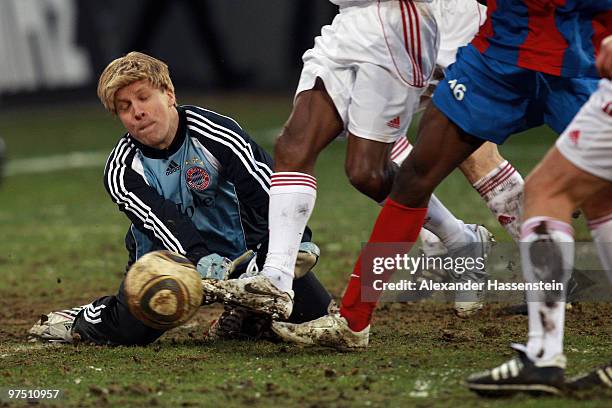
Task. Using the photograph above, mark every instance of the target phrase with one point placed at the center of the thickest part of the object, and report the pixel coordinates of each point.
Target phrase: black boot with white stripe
(56, 327)
(600, 378)
(520, 375)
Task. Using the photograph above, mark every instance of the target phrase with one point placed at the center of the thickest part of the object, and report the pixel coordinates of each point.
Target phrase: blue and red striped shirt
(557, 37)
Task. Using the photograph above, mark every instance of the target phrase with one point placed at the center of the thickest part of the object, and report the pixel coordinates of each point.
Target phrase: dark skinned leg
(369, 168)
(313, 124)
(440, 148)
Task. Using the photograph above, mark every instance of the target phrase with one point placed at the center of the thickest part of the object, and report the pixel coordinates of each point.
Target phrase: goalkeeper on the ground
(191, 181)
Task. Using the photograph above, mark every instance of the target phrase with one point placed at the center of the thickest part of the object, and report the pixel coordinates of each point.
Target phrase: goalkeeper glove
(214, 266)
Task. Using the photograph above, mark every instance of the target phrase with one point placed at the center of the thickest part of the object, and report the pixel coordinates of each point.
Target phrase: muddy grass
(418, 356)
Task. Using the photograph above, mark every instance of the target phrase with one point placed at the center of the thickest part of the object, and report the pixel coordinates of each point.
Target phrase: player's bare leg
(371, 172)
(434, 158)
(552, 192)
(600, 223)
(481, 162)
(554, 189)
(558, 180)
(501, 187)
(441, 147)
(499, 184)
(312, 125)
(368, 167)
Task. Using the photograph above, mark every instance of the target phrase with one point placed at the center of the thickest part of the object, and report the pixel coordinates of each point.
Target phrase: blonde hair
(130, 68)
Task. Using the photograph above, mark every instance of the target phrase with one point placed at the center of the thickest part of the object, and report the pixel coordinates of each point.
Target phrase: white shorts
(459, 21)
(374, 74)
(587, 141)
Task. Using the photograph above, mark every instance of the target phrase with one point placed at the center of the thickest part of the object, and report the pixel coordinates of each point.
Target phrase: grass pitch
(61, 245)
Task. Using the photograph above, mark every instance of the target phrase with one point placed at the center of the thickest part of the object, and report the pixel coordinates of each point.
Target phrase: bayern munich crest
(197, 178)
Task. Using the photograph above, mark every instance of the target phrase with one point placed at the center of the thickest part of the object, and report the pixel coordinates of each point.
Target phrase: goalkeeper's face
(148, 113)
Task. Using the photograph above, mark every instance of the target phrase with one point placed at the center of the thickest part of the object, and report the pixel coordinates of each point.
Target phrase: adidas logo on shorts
(394, 123)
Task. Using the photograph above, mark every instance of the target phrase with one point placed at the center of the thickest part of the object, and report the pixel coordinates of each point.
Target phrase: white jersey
(458, 21)
(375, 59)
(343, 3)
(347, 3)
(587, 141)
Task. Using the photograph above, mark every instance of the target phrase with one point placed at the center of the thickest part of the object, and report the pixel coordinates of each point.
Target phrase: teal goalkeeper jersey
(208, 192)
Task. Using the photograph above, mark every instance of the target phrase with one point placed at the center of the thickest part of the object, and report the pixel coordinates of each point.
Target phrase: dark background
(57, 48)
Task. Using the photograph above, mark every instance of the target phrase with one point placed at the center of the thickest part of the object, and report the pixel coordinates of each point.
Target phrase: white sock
(401, 149)
(601, 231)
(546, 319)
(453, 233)
(553, 340)
(535, 336)
(502, 190)
(440, 221)
(292, 199)
(431, 244)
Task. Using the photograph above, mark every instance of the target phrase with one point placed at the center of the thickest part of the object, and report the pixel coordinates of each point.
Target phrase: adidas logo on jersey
(172, 168)
(394, 123)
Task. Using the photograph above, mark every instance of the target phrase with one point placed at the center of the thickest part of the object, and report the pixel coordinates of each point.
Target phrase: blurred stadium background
(59, 47)
(61, 238)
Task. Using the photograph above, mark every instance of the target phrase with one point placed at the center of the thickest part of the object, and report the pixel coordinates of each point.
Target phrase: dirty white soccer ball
(163, 289)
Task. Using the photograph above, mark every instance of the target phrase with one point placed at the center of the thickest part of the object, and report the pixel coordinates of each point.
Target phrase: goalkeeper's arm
(153, 214)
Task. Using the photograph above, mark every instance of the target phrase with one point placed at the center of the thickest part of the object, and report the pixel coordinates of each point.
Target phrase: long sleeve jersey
(208, 192)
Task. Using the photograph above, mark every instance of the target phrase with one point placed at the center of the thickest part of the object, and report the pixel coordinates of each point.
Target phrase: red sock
(395, 223)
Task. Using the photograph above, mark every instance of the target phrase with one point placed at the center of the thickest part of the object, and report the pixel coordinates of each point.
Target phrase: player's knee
(363, 175)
